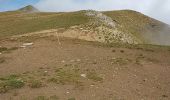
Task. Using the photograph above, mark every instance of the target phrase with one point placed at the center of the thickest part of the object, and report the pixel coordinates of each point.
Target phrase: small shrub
(15, 83)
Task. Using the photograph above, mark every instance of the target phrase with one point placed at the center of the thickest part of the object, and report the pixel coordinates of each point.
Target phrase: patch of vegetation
(63, 76)
(26, 23)
(54, 97)
(10, 82)
(94, 76)
(35, 84)
(4, 49)
(41, 98)
(133, 22)
(71, 99)
(120, 61)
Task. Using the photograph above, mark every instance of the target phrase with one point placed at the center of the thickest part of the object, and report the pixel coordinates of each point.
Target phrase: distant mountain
(122, 26)
(29, 8)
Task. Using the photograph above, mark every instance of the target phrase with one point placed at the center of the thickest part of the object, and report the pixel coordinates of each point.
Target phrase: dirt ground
(120, 73)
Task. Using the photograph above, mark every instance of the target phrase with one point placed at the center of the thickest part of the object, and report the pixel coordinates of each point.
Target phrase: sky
(158, 9)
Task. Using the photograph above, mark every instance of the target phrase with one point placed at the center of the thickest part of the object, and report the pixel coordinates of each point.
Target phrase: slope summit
(29, 8)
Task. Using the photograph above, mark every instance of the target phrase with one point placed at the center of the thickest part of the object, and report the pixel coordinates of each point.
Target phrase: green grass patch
(66, 76)
(10, 82)
(26, 23)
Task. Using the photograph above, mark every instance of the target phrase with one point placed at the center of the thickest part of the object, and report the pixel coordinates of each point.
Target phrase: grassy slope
(12, 23)
(136, 23)
(143, 27)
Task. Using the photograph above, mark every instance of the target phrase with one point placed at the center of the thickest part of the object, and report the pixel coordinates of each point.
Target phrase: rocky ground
(34, 68)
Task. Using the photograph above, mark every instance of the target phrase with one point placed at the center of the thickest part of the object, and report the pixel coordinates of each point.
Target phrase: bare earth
(124, 73)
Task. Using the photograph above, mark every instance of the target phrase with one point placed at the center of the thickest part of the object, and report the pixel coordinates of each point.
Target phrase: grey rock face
(101, 18)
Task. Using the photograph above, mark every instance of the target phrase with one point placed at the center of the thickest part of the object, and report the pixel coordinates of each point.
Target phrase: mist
(158, 9)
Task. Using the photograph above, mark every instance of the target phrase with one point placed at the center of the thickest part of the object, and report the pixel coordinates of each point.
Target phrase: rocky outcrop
(107, 30)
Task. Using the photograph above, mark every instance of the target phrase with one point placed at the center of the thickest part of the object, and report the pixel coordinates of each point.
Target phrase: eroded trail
(82, 70)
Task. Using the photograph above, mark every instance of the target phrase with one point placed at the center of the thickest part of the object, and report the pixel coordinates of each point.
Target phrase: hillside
(142, 26)
(127, 26)
(83, 55)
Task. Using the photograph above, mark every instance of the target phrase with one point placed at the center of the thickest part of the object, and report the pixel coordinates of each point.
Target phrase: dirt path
(95, 72)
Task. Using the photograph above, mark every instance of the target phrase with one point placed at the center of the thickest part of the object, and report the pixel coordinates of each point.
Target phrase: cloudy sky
(158, 9)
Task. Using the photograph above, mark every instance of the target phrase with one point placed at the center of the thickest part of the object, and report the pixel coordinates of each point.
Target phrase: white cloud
(158, 9)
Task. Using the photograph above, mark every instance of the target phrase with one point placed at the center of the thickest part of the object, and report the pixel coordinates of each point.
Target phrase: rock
(72, 60)
(78, 60)
(101, 18)
(67, 92)
(63, 61)
(27, 44)
(83, 75)
(107, 29)
(23, 46)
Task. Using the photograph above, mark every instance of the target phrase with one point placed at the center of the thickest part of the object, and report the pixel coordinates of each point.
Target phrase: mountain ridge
(120, 26)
